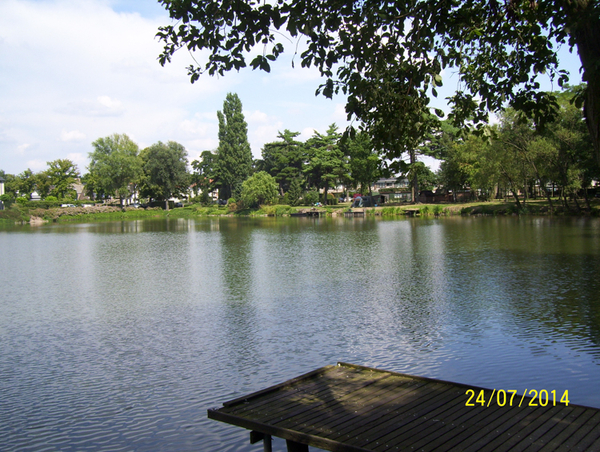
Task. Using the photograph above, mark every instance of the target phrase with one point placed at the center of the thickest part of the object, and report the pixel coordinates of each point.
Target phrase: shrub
(311, 198)
(331, 200)
(7, 200)
(232, 205)
(260, 188)
(294, 194)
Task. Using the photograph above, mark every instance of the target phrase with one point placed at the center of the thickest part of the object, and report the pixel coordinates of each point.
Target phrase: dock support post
(268, 446)
(259, 436)
(293, 446)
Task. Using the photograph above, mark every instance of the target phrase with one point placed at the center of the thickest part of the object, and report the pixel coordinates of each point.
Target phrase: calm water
(119, 336)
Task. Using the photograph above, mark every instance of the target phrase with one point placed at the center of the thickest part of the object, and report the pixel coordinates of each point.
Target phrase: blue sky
(72, 71)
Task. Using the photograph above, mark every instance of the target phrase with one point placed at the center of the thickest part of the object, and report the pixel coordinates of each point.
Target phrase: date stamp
(509, 397)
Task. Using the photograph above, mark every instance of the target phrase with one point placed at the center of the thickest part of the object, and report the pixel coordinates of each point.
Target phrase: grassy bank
(19, 214)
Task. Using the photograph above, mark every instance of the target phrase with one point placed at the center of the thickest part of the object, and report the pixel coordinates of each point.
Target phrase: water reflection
(122, 334)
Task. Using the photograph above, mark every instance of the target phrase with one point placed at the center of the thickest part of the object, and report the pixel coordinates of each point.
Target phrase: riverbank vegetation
(509, 167)
(23, 214)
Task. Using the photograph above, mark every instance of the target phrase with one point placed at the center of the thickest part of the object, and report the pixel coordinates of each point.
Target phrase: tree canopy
(389, 57)
(61, 175)
(260, 188)
(165, 170)
(234, 157)
(284, 159)
(114, 166)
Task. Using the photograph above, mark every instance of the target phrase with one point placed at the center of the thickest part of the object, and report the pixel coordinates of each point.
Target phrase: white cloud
(262, 128)
(73, 135)
(306, 133)
(78, 159)
(22, 148)
(339, 114)
(78, 71)
(35, 165)
(102, 106)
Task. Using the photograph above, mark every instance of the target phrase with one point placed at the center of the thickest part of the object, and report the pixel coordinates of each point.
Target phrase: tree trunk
(415, 181)
(585, 26)
(587, 199)
(516, 195)
(549, 201)
(577, 204)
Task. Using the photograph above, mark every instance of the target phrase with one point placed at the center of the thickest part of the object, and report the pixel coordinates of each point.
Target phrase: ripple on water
(127, 343)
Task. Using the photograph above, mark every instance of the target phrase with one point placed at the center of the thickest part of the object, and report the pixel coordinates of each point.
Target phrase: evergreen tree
(284, 159)
(327, 164)
(234, 157)
(364, 162)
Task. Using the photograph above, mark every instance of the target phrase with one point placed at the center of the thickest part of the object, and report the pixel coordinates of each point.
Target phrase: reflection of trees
(539, 276)
(239, 317)
(556, 296)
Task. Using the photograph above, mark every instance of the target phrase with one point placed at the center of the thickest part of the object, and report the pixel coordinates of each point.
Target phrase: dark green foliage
(284, 159)
(7, 199)
(364, 161)
(294, 194)
(165, 171)
(234, 157)
(204, 176)
(426, 178)
(389, 57)
(327, 164)
(517, 159)
(310, 198)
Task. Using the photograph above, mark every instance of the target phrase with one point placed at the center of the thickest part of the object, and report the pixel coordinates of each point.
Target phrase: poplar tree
(234, 157)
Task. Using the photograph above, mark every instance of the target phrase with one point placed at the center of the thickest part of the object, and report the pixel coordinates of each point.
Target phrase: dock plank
(349, 408)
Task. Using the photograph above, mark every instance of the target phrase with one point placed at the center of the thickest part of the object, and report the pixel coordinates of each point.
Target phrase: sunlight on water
(119, 336)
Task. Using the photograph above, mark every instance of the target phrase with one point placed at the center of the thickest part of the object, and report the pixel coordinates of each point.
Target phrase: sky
(73, 71)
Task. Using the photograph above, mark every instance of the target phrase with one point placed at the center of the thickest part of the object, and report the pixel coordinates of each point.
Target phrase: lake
(120, 335)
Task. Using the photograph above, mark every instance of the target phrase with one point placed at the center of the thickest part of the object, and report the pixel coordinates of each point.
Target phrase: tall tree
(115, 166)
(234, 157)
(284, 159)
(165, 171)
(388, 57)
(327, 164)
(61, 175)
(364, 162)
(204, 174)
(26, 183)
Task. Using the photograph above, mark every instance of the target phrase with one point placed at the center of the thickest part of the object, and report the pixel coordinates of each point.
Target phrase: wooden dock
(309, 213)
(349, 408)
(355, 213)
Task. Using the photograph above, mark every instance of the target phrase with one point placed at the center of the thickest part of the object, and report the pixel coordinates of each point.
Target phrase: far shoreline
(38, 216)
